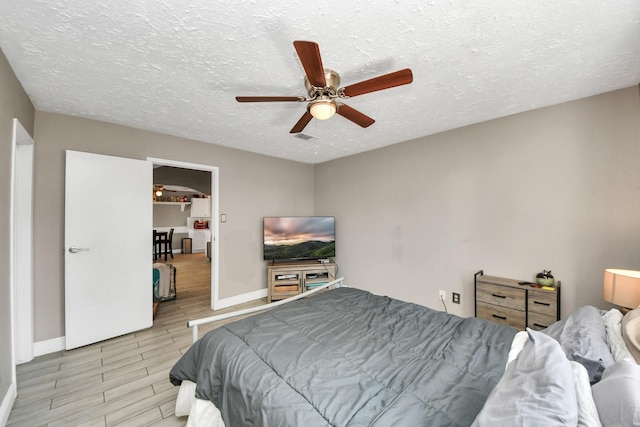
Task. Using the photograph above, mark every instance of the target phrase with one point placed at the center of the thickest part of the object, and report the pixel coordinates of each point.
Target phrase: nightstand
(507, 302)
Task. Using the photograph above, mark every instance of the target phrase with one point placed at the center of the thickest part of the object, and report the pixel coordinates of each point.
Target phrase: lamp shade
(322, 110)
(622, 287)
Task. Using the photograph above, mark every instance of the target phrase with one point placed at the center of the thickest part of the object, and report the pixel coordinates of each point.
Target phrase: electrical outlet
(443, 295)
(455, 297)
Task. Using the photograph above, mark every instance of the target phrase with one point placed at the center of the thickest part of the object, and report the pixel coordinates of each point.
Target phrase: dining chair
(164, 243)
(157, 244)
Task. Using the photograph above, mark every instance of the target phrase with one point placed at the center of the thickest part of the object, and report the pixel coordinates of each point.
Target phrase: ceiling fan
(159, 189)
(322, 86)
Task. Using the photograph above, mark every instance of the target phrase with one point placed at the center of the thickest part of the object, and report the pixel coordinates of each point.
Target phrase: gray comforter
(348, 358)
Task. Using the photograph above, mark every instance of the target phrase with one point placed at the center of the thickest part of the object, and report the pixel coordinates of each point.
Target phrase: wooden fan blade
(304, 121)
(355, 116)
(309, 53)
(387, 81)
(269, 98)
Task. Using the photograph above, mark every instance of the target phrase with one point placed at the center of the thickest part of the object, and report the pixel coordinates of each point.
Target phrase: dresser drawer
(538, 321)
(503, 296)
(504, 315)
(543, 302)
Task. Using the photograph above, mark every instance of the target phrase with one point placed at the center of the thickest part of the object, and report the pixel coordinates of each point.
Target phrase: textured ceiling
(176, 66)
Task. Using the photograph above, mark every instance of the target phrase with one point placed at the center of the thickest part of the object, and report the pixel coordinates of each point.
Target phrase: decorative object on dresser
(622, 288)
(515, 303)
(288, 279)
(545, 278)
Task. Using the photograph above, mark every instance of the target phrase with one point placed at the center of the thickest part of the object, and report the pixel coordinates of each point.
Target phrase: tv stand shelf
(287, 279)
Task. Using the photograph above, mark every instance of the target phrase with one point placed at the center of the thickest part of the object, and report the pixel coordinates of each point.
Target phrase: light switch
(223, 217)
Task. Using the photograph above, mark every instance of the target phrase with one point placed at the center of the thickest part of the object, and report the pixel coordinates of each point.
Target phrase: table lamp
(622, 288)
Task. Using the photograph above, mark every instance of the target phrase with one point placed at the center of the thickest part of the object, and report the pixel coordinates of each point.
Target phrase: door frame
(215, 216)
(21, 245)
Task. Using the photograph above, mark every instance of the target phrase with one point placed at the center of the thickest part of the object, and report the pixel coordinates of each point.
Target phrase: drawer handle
(540, 326)
(498, 296)
(542, 303)
(499, 317)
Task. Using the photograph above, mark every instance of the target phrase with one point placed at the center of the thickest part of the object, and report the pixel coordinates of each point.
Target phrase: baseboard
(7, 404)
(240, 299)
(49, 346)
(58, 344)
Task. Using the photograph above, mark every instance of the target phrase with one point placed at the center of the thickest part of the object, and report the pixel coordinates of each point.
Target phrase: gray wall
(14, 103)
(557, 188)
(251, 186)
(170, 216)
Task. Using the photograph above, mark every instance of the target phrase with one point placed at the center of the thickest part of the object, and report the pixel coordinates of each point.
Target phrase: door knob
(75, 249)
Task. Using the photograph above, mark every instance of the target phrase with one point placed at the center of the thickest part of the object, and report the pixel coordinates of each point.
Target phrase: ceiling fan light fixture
(323, 86)
(322, 109)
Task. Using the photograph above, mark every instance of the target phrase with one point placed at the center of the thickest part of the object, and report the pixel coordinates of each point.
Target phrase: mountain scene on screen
(299, 238)
(313, 249)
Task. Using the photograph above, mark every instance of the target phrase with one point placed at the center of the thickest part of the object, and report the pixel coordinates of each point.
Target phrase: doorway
(21, 244)
(212, 248)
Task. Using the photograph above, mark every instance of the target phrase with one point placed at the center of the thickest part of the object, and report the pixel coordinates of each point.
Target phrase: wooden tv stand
(287, 279)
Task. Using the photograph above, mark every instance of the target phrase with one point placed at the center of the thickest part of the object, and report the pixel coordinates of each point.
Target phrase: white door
(108, 241)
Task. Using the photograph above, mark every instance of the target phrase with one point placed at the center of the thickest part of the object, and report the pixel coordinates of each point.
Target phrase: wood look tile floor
(123, 381)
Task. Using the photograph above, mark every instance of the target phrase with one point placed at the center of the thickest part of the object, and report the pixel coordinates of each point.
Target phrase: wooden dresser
(505, 301)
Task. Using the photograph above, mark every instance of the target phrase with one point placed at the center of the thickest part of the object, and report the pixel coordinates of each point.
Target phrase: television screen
(299, 237)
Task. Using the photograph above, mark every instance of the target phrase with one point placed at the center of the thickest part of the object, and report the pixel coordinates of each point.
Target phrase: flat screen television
(299, 237)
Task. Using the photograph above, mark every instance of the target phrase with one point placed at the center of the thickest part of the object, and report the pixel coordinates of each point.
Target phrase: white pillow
(617, 395)
(537, 389)
(518, 342)
(631, 332)
(587, 410)
(612, 320)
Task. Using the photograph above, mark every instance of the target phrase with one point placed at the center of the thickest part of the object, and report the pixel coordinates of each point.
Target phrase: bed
(347, 357)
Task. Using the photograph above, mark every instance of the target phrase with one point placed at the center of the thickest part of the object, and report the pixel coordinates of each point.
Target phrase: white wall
(557, 188)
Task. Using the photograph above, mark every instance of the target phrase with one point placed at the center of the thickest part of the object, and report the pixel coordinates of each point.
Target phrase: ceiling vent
(304, 136)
